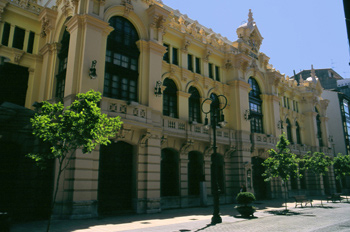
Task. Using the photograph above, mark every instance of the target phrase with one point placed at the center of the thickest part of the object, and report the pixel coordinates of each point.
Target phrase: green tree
(281, 163)
(66, 129)
(317, 163)
(341, 166)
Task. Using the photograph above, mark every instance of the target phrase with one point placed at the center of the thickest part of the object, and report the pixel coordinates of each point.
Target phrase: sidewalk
(193, 219)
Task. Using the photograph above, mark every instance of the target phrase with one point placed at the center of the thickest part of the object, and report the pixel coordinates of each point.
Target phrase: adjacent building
(156, 67)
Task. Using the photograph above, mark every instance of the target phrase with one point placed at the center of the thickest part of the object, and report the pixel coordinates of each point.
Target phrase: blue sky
(296, 33)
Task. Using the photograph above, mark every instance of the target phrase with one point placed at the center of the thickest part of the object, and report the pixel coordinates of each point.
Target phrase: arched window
(122, 56)
(298, 132)
(170, 99)
(319, 131)
(169, 179)
(220, 174)
(289, 131)
(194, 105)
(62, 65)
(255, 103)
(195, 172)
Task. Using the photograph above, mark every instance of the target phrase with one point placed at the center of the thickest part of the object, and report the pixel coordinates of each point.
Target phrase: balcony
(130, 111)
(263, 140)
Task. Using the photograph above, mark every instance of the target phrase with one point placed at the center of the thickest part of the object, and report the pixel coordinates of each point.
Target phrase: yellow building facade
(155, 67)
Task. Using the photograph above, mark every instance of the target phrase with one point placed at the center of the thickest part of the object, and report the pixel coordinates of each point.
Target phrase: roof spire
(250, 17)
(313, 74)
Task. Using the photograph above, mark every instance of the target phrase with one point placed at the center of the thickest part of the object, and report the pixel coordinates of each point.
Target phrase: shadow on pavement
(284, 212)
(205, 227)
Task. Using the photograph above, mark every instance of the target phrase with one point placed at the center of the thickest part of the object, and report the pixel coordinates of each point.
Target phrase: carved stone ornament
(228, 63)
(23, 3)
(185, 146)
(123, 132)
(144, 138)
(186, 44)
(75, 4)
(45, 27)
(128, 7)
(18, 56)
(2, 8)
(148, 2)
(192, 29)
(229, 153)
(208, 151)
(66, 6)
(207, 53)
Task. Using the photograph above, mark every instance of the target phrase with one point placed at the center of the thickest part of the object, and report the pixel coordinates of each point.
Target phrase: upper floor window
(214, 71)
(194, 105)
(319, 130)
(346, 108)
(217, 73)
(18, 38)
(62, 65)
(190, 62)
(298, 132)
(198, 65)
(295, 106)
(289, 131)
(121, 77)
(6, 34)
(170, 98)
(255, 106)
(175, 56)
(210, 69)
(166, 57)
(31, 42)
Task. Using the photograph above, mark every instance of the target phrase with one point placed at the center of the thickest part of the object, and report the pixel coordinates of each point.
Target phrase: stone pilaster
(86, 32)
(149, 200)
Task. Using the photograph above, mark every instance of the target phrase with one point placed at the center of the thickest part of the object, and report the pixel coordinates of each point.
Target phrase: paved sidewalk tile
(189, 219)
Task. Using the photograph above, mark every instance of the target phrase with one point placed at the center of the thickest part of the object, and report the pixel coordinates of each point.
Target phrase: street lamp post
(214, 110)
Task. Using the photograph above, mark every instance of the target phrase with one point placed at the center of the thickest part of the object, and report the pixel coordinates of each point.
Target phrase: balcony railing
(126, 110)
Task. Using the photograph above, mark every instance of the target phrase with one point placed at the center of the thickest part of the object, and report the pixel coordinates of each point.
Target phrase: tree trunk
(285, 194)
(54, 196)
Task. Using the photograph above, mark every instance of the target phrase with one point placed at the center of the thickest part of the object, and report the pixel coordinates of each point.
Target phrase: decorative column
(270, 104)
(310, 128)
(183, 105)
(49, 52)
(184, 179)
(157, 17)
(87, 34)
(151, 57)
(148, 177)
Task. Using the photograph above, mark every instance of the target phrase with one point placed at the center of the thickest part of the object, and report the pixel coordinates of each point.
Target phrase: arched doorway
(116, 180)
(169, 176)
(195, 172)
(259, 184)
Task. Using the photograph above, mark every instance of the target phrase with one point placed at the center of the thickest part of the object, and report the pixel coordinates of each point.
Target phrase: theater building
(155, 67)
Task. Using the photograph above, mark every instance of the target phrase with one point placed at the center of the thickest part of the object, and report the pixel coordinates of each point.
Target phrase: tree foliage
(317, 163)
(66, 129)
(281, 163)
(341, 165)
